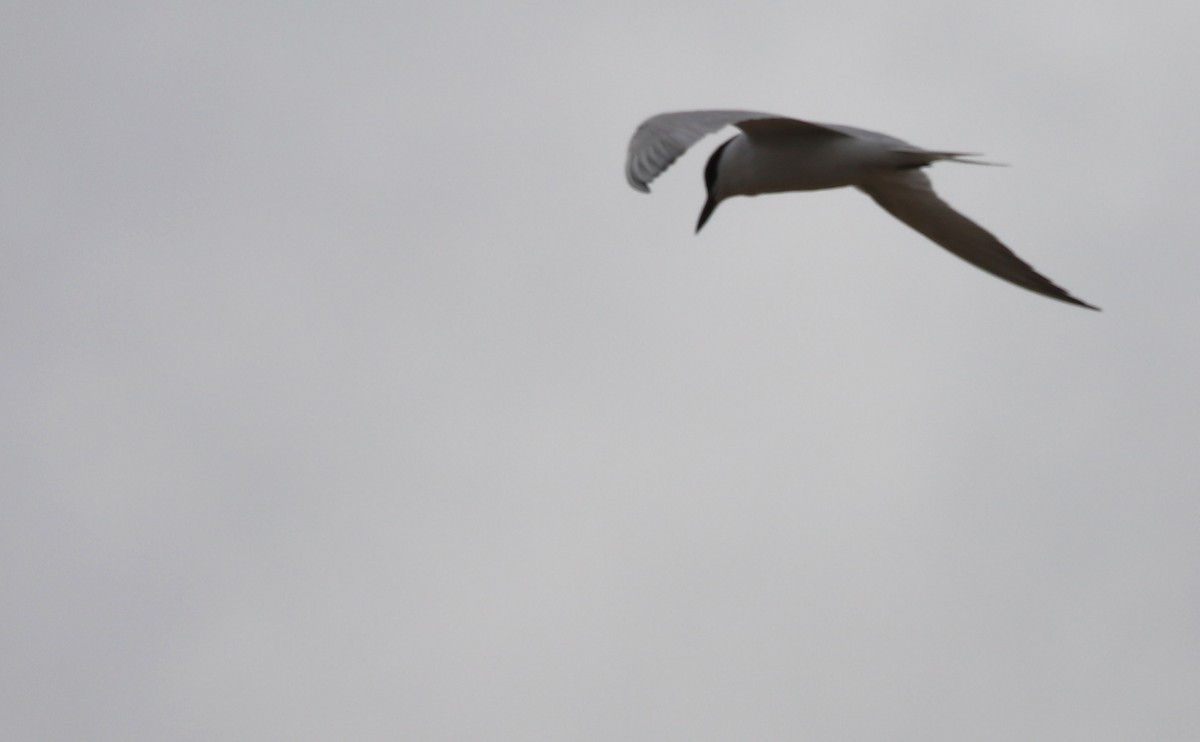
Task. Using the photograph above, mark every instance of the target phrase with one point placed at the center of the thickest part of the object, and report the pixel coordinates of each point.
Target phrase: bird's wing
(908, 196)
(662, 139)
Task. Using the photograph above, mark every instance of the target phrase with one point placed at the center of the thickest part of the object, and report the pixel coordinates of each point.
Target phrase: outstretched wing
(662, 139)
(908, 195)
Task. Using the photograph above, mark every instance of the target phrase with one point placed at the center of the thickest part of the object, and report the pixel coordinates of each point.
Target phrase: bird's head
(711, 178)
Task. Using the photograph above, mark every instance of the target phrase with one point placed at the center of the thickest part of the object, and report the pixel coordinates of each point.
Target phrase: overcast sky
(350, 393)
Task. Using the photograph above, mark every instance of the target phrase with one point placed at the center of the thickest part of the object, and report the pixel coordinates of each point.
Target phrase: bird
(776, 154)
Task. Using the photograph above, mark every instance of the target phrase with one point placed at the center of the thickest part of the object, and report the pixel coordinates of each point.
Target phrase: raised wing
(908, 195)
(662, 139)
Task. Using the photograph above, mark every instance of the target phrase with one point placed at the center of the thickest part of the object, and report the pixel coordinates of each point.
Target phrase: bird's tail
(969, 159)
(965, 157)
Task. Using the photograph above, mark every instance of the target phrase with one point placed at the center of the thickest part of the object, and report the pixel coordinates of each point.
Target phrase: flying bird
(774, 154)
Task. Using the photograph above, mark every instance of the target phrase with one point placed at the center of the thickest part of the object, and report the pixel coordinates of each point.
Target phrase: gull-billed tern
(773, 154)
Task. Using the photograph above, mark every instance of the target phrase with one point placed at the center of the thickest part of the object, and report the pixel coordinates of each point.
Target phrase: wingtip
(1077, 302)
(636, 184)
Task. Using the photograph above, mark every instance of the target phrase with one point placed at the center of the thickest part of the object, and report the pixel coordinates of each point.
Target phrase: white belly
(751, 167)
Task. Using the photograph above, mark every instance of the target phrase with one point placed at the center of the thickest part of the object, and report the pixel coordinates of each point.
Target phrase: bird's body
(750, 168)
(775, 154)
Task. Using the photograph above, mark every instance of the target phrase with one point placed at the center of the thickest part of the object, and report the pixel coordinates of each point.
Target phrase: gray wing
(662, 139)
(908, 195)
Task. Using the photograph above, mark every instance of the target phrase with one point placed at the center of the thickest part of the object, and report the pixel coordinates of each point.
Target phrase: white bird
(773, 154)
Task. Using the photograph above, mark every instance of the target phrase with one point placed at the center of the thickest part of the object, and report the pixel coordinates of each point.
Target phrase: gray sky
(350, 393)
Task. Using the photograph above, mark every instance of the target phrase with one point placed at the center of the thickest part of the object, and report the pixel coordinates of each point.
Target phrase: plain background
(350, 393)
